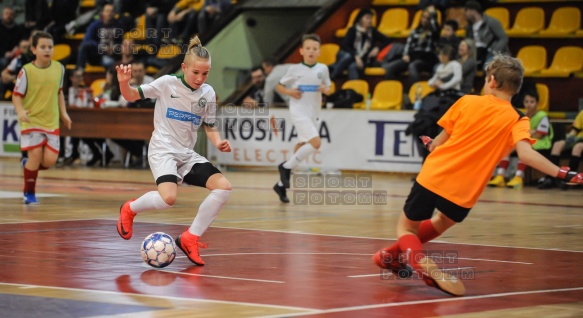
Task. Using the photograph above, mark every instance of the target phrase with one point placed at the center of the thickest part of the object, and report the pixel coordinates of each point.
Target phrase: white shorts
(176, 164)
(35, 139)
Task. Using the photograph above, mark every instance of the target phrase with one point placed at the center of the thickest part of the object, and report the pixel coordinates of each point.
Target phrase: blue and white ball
(158, 250)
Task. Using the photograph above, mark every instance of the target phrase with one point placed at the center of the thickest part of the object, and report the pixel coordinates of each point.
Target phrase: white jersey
(308, 80)
(179, 112)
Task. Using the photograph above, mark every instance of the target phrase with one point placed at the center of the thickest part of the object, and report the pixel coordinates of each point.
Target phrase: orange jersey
(482, 129)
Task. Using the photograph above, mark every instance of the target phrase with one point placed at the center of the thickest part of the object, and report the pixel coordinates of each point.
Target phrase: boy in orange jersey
(478, 131)
(39, 100)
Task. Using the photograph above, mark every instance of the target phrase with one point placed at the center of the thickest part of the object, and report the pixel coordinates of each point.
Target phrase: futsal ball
(158, 249)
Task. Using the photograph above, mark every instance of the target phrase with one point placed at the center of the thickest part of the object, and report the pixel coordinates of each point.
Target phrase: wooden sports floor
(519, 253)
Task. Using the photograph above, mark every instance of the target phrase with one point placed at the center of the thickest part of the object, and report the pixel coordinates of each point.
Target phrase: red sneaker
(386, 259)
(189, 244)
(125, 221)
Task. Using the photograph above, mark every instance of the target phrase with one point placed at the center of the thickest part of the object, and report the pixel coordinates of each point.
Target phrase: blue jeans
(345, 61)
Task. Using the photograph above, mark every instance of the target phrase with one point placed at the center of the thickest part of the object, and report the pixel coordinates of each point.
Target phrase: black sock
(574, 163)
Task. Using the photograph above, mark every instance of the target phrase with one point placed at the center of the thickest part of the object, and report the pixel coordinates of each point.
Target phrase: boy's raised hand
(124, 73)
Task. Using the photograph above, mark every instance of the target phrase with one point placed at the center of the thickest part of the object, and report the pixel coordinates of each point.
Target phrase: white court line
(225, 277)
(358, 254)
(429, 301)
(378, 274)
(105, 292)
(393, 239)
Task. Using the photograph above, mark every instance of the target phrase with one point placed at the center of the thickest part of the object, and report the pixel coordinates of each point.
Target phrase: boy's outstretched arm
(537, 161)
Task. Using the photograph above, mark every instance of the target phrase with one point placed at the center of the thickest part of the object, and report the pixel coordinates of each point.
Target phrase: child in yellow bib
(39, 100)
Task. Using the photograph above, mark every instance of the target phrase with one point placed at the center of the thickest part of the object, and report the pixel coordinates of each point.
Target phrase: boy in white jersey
(304, 83)
(39, 100)
(183, 103)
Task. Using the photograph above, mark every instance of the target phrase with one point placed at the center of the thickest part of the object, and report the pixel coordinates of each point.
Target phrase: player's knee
(224, 184)
(169, 198)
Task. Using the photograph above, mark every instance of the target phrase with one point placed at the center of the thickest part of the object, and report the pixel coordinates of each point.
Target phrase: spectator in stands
(573, 142)
(36, 15)
(12, 33)
(440, 5)
(274, 72)
(211, 11)
(255, 97)
(419, 52)
(61, 13)
(448, 36)
(84, 20)
(487, 33)
(129, 10)
(467, 58)
(157, 19)
(540, 130)
(9, 73)
(101, 36)
(75, 98)
(183, 21)
(128, 52)
(359, 47)
(448, 74)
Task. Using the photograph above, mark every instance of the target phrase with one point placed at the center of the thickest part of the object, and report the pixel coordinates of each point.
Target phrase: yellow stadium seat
(61, 52)
(564, 21)
(342, 32)
(97, 86)
(76, 36)
(387, 94)
(139, 32)
(567, 60)
(528, 21)
(543, 96)
(375, 71)
(168, 51)
(93, 69)
(395, 2)
(501, 14)
(328, 53)
(534, 58)
(359, 86)
(425, 89)
(87, 3)
(394, 21)
(415, 23)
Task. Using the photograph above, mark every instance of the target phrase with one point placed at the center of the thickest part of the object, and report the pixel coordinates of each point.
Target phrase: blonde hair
(508, 72)
(196, 50)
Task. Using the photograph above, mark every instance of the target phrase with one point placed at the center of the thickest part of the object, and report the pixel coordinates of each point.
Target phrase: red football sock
(41, 167)
(30, 180)
(412, 247)
(427, 232)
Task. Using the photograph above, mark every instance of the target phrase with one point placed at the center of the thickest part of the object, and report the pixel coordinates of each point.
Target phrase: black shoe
(69, 160)
(562, 185)
(284, 175)
(95, 160)
(108, 156)
(281, 192)
(547, 183)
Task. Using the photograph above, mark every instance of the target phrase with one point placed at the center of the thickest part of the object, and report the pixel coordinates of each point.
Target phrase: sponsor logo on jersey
(183, 116)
